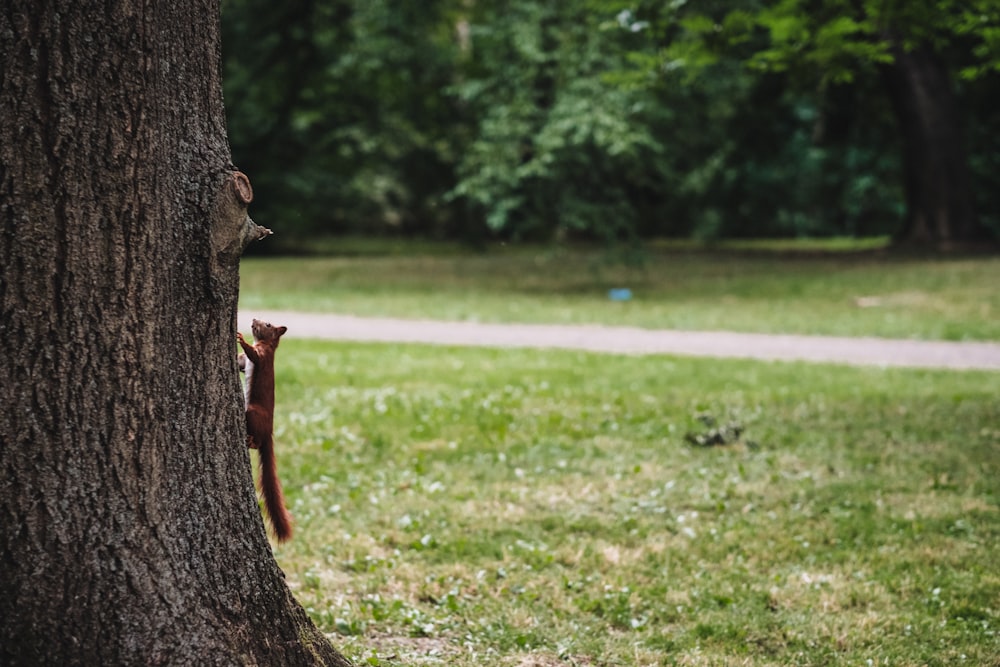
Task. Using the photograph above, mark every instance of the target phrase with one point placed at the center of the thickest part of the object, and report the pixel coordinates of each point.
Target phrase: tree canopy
(531, 119)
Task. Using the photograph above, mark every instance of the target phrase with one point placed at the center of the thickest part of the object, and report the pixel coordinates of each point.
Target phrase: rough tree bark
(937, 180)
(130, 527)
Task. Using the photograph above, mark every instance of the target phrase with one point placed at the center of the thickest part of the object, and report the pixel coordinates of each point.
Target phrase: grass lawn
(951, 298)
(518, 507)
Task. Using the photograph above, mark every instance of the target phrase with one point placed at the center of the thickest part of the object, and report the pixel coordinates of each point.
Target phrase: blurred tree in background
(912, 49)
(536, 119)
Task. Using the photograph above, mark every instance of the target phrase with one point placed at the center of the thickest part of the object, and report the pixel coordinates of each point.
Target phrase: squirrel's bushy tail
(270, 490)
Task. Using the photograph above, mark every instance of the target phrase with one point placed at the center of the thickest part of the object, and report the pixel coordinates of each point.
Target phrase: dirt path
(630, 340)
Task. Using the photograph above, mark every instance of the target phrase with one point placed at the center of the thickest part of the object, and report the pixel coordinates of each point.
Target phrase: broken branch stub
(241, 186)
(244, 195)
(232, 228)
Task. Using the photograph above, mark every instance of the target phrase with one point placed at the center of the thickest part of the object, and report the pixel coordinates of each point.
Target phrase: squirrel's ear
(282, 330)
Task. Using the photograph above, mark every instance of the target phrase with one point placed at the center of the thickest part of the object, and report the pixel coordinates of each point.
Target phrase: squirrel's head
(266, 331)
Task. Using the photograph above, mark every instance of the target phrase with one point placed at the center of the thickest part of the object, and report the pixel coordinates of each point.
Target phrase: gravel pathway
(630, 340)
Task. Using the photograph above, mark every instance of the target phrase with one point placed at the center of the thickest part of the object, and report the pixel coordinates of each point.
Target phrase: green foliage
(830, 41)
(337, 112)
(558, 145)
(538, 119)
(979, 22)
(831, 166)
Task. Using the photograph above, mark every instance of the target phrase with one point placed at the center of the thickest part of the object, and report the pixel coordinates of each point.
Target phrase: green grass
(517, 507)
(850, 294)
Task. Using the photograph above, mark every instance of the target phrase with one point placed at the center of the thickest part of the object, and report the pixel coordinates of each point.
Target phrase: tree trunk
(939, 208)
(130, 528)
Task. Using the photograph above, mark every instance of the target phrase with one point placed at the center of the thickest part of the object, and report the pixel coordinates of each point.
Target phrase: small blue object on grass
(620, 294)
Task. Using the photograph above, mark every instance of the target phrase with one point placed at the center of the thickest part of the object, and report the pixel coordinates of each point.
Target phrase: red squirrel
(257, 361)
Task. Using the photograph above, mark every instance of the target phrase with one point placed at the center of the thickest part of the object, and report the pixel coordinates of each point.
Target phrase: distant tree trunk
(936, 171)
(130, 529)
